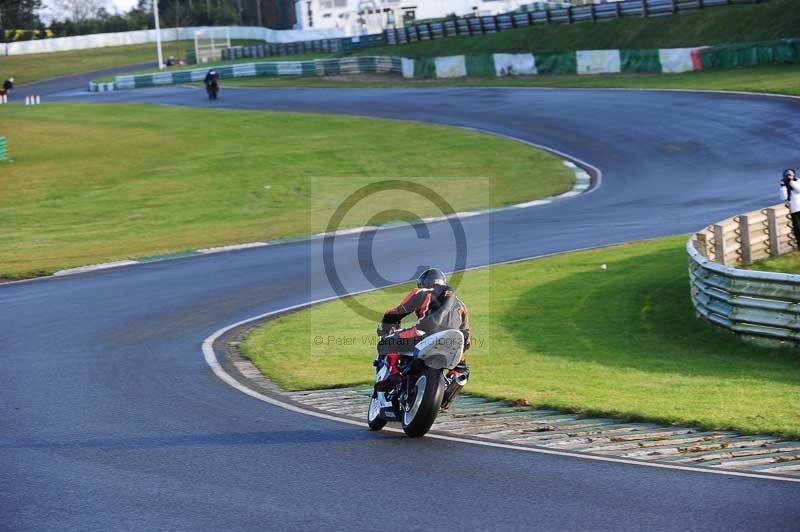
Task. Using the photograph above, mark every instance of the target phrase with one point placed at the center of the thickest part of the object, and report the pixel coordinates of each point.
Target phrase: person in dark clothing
(790, 189)
(8, 85)
(212, 83)
(437, 309)
(212, 76)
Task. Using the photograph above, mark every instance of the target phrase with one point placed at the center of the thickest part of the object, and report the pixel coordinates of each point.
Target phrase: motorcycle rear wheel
(418, 416)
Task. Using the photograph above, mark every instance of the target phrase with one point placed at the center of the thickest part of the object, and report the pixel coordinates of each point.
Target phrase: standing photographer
(790, 188)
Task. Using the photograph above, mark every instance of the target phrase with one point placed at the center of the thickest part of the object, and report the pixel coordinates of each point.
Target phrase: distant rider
(8, 85)
(212, 77)
(212, 81)
(438, 309)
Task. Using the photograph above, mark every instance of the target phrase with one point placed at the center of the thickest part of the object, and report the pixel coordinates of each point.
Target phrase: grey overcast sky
(112, 5)
(123, 5)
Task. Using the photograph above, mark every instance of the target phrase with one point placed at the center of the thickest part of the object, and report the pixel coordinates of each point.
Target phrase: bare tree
(77, 10)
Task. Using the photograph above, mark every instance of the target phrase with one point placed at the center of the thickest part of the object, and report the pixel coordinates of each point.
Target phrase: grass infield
(789, 263)
(564, 333)
(34, 67)
(95, 183)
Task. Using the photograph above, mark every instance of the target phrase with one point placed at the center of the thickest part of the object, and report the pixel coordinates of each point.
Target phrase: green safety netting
(308, 68)
(266, 69)
(751, 54)
(556, 63)
(480, 65)
(639, 61)
(425, 68)
(182, 77)
(328, 67)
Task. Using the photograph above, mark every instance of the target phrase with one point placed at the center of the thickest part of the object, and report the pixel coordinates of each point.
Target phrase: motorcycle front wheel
(374, 418)
(425, 399)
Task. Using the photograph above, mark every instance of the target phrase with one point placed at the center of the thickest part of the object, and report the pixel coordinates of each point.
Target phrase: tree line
(23, 19)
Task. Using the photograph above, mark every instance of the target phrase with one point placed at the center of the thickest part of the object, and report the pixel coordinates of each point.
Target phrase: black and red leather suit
(437, 309)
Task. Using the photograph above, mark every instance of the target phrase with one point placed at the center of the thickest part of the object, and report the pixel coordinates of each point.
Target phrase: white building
(360, 17)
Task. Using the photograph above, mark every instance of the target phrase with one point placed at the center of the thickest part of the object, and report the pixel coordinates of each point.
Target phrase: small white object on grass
(604, 266)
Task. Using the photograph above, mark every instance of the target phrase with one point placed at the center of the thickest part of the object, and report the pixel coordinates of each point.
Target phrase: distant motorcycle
(416, 399)
(212, 89)
(212, 84)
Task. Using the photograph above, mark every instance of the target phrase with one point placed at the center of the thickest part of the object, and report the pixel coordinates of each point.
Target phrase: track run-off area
(112, 420)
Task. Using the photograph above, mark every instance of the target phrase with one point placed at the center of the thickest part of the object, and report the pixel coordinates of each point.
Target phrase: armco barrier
(315, 67)
(760, 306)
(593, 12)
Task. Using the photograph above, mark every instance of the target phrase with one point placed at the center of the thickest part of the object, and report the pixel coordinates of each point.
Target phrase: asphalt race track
(111, 420)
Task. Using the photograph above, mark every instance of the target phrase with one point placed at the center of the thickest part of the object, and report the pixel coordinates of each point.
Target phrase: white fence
(100, 40)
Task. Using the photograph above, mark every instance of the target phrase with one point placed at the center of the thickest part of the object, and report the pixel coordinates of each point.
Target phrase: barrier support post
(774, 235)
(701, 244)
(719, 244)
(744, 232)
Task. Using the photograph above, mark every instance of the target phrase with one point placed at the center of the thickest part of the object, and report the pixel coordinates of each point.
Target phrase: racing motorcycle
(212, 88)
(426, 384)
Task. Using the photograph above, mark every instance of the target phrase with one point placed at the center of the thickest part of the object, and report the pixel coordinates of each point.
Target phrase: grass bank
(789, 263)
(563, 333)
(94, 183)
(774, 20)
(35, 67)
(776, 79)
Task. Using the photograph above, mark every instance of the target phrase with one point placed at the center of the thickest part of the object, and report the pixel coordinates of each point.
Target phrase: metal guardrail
(592, 12)
(760, 306)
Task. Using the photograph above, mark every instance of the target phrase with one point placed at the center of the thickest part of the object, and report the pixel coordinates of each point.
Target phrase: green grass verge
(93, 183)
(563, 333)
(773, 20)
(789, 263)
(776, 79)
(35, 67)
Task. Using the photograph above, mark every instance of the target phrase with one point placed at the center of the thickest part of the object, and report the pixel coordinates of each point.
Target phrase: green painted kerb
(3, 153)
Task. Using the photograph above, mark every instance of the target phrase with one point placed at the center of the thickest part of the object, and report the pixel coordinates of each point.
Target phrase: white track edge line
(534, 88)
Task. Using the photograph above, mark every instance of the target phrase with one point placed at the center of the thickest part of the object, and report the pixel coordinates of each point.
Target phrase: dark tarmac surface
(111, 420)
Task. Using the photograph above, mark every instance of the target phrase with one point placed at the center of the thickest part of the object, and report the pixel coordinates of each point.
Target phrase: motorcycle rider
(211, 80)
(7, 86)
(438, 309)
